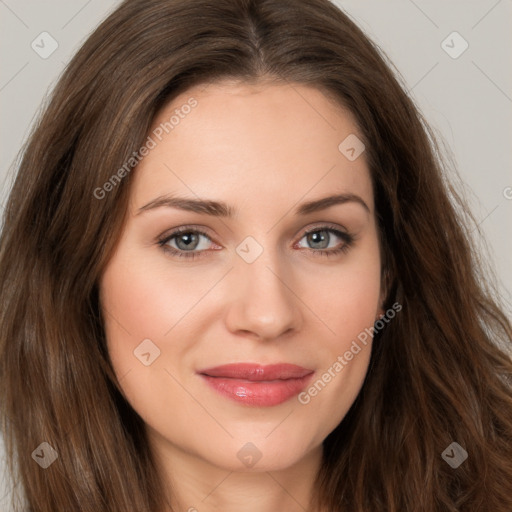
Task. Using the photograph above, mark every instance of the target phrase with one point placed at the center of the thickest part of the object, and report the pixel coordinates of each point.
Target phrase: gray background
(467, 100)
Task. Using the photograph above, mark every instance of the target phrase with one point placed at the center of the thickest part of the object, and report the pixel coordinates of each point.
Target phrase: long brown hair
(440, 372)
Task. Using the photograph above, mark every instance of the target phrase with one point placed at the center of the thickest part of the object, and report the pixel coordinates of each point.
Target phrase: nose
(265, 302)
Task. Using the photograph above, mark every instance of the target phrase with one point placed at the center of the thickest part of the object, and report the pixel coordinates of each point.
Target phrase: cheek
(140, 301)
(138, 306)
(348, 305)
(348, 300)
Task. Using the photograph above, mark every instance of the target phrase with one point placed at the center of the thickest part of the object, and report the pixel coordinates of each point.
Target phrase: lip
(257, 385)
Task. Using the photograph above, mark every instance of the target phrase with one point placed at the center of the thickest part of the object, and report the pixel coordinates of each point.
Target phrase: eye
(320, 239)
(185, 242)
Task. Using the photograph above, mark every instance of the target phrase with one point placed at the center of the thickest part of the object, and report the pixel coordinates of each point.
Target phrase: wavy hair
(439, 373)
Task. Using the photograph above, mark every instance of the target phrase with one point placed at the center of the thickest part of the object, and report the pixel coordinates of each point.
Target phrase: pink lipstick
(257, 385)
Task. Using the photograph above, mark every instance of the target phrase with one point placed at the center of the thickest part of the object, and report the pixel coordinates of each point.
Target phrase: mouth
(257, 385)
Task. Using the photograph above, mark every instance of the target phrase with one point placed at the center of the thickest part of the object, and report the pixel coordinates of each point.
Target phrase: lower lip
(258, 393)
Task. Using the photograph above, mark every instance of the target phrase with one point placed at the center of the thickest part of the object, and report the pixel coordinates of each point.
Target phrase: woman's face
(245, 285)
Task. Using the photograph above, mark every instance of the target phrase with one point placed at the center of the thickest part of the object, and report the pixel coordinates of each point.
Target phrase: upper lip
(257, 372)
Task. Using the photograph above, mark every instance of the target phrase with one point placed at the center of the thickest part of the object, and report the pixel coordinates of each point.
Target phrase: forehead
(261, 143)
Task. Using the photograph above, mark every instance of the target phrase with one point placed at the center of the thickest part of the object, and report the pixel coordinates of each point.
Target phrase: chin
(261, 453)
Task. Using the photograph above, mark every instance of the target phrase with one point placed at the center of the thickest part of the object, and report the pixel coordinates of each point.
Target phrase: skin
(263, 149)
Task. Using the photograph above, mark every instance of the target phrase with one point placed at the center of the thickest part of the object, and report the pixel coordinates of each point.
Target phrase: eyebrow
(221, 209)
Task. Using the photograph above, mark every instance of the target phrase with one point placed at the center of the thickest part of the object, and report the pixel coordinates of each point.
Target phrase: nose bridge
(263, 302)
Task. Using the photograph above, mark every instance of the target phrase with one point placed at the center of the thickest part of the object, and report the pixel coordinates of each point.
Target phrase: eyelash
(346, 237)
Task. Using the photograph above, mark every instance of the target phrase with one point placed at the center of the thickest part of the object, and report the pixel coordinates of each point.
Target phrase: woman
(178, 334)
